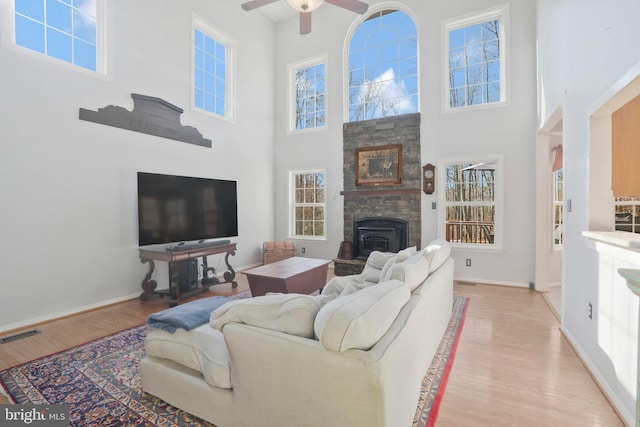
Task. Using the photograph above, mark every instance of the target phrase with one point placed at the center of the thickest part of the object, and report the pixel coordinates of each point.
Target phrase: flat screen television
(174, 209)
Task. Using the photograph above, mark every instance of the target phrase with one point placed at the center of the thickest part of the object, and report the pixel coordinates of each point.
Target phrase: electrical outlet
(590, 310)
(468, 262)
(304, 250)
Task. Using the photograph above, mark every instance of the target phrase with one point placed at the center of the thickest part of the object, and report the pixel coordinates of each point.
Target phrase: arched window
(383, 66)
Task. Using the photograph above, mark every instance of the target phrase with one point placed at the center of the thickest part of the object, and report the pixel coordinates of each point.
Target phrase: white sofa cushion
(337, 284)
(358, 320)
(401, 256)
(412, 271)
(375, 262)
(437, 253)
(202, 349)
(289, 313)
(405, 253)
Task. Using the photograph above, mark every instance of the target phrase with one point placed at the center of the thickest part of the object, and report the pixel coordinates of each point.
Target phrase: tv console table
(182, 264)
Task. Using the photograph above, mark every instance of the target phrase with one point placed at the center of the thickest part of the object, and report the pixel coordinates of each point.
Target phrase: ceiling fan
(305, 7)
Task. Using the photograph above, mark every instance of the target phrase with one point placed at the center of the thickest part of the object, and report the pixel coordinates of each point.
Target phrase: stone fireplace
(399, 203)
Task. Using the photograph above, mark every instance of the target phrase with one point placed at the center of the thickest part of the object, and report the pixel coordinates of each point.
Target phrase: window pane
(59, 16)
(493, 94)
(199, 59)
(58, 45)
(456, 39)
(84, 27)
(220, 88)
(34, 9)
(318, 214)
(209, 63)
(29, 34)
(318, 228)
(209, 102)
(199, 39)
(473, 34)
(84, 54)
(209, 83)
(474, 61)
(220, 106)
(199, 99)
(199, 79)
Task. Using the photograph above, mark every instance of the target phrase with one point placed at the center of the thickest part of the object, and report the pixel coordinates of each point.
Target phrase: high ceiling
(276, 12)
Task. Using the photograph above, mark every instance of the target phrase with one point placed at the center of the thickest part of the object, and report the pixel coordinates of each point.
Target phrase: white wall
(507, 130)
(584, 48)
(68, 187)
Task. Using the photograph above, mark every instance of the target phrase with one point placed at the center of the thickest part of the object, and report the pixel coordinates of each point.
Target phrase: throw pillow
(292, 314)
(358, 320)
(401, 256)
(405, 253)
(412, 271)
(336, 284)
(375, 262)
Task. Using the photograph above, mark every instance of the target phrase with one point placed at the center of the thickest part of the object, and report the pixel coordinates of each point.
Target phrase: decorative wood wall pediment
(150, 115)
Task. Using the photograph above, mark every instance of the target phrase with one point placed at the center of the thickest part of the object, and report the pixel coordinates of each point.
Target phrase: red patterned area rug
(100, 383)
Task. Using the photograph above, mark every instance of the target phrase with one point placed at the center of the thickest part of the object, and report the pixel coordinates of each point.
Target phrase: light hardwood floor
(513, 367)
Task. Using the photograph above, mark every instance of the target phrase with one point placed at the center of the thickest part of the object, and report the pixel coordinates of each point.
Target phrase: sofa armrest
(301, 380)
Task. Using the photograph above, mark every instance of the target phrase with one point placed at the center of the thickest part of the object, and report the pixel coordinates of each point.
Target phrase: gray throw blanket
(186, 316)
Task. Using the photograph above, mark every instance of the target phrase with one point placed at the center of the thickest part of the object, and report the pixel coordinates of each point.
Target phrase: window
(471, 196)
(308, 95)
(62, 29)
(558, 198)
(308, 205)
(383, 67)
(212, 82)
(475, 56)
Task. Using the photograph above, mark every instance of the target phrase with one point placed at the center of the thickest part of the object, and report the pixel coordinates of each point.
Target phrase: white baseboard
(66, 313)
(627, 417)
(491, 282)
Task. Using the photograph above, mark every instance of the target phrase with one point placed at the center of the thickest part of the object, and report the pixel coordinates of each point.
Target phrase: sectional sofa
(353, 356)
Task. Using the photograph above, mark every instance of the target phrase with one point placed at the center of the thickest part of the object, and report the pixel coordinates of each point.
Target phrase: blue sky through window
(383, 67)
(210, 74)
(310, 108)
(63, 29)
(474, 64)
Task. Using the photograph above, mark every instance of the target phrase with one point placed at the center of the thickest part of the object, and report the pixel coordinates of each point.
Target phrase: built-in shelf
(383, 192)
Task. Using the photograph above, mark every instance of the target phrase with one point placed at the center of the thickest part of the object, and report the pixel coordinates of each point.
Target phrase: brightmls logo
(34, 415)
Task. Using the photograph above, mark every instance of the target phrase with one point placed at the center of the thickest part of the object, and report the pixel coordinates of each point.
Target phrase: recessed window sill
(621, 239)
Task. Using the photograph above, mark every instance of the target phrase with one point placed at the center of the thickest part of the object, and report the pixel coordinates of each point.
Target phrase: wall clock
(428, 178)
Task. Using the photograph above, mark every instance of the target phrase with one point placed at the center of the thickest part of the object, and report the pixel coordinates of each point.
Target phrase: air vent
(19, 336)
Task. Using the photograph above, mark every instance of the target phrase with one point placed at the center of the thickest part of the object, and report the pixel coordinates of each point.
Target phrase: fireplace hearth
(379, 234)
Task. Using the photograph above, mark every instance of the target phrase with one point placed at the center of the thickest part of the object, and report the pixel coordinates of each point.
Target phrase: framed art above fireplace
(379, 165)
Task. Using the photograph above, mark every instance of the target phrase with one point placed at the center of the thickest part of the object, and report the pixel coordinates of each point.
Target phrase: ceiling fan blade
(352, 5)
(254, 4)
(305, 22)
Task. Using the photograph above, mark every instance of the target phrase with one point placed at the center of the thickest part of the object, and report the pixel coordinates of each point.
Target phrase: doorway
(550, 213)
